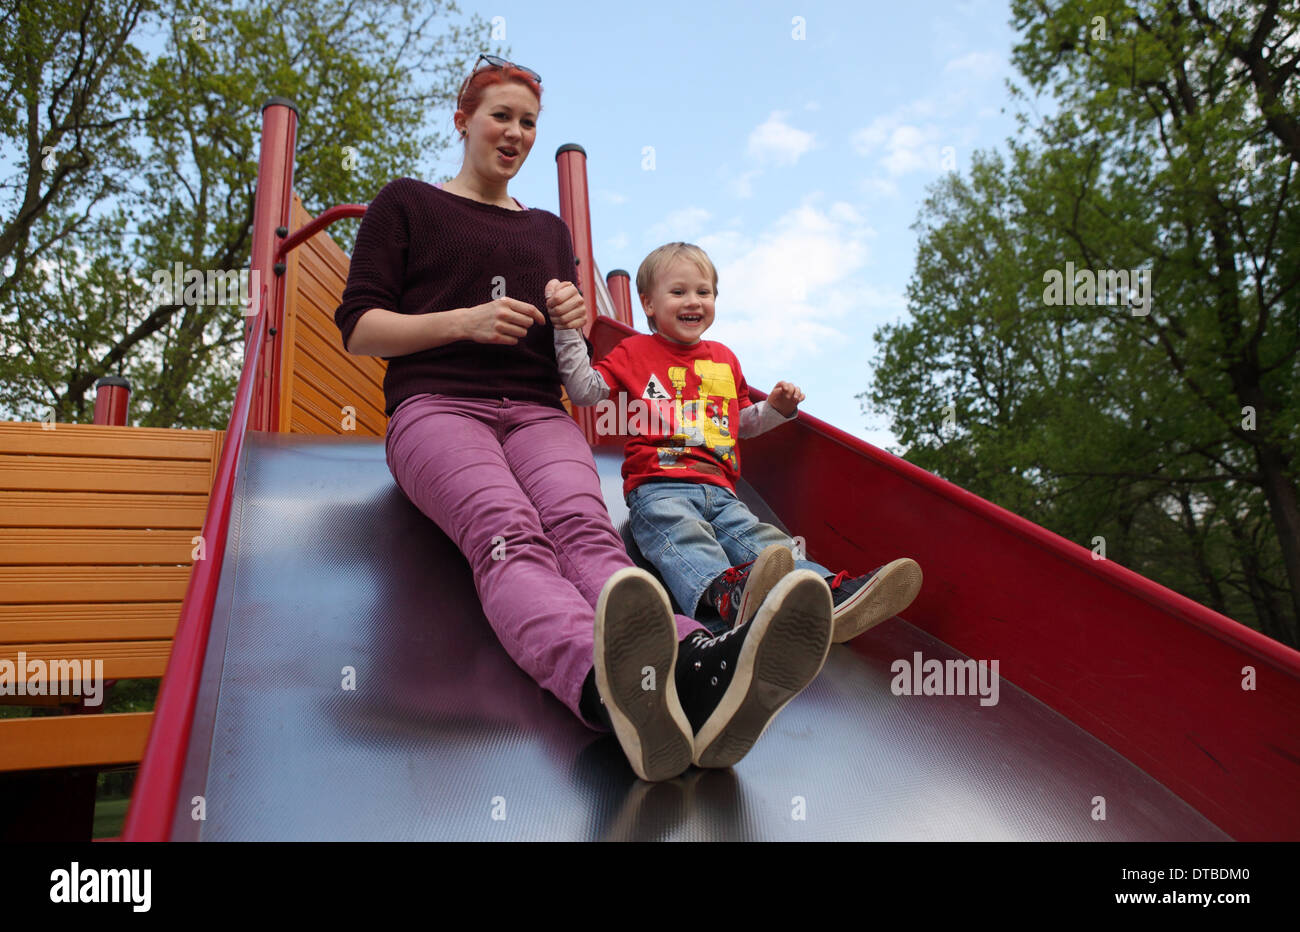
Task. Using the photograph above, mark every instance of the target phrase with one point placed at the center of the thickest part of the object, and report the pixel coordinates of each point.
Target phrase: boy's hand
(785, 397)
(565, 305)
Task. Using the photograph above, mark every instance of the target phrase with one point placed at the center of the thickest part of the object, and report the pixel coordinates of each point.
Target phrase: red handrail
(310, 229)
(153, 799)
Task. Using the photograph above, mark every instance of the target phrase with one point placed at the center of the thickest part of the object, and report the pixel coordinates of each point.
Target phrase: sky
(798, 164)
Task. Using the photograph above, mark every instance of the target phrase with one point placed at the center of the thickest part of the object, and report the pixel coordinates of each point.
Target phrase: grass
(109, 816)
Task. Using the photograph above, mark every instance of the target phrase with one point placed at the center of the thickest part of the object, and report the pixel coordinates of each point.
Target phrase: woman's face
(501, 132)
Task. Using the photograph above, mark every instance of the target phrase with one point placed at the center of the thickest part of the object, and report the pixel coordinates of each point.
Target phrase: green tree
(1171, 430)
(189, 82)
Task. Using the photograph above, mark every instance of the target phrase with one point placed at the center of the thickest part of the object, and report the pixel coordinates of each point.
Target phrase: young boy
(689, 403)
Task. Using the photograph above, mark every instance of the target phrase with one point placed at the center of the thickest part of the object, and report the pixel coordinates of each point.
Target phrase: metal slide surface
(330, 567)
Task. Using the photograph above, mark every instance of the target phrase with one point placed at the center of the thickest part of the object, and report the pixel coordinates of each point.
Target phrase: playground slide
(353, 690)
(332, 675)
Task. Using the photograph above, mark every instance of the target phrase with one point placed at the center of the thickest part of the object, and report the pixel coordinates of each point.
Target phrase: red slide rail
(1159, 678)
(153, 799)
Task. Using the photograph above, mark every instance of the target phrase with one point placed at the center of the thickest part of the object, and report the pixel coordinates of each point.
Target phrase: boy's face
(681, 301)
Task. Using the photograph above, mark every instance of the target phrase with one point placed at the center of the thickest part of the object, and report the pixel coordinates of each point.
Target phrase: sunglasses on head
(494, 61)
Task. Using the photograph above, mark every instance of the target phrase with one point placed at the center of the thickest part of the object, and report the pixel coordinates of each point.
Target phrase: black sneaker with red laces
(740, 590)
(862, 602)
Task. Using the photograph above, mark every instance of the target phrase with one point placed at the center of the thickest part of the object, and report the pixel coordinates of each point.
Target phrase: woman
(447, 283)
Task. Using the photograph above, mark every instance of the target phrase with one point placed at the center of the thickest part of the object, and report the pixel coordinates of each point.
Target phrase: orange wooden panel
(319, 330)
(324, 363)
(73, 740)
(303, 421)
(105, 442)
(329, 255)
(323, 283)
(100, 546)
(324, 377)
(288, 339)
(101, 509)
(365, 371)
(60, 584)
(324, 245)
(327, 409)
(94, 474)
(314, 286)
(321, 322)
(368, 406)
(87, 621)
(122, 660)
(218, 442)
(288, 388)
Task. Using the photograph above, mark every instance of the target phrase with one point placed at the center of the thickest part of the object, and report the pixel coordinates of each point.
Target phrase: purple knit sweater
(423, 250)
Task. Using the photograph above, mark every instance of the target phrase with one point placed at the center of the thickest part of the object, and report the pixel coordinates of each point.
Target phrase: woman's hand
(504, 320)
(565, 305)
(785, 397)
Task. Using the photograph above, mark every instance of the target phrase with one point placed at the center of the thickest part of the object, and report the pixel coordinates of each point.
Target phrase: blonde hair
(653, 265)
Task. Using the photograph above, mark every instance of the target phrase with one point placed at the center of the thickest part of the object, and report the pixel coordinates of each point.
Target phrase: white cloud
(617, 242)
(613, 197)
(878, 188)
(901, 147)
(684, 224)
(872, 136)
(795, 291)
(742, 185)
(777, 142)
(978, 65)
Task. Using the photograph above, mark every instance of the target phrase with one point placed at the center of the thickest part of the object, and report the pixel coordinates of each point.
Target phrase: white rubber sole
(769, 568)
(782, 654)
(889, 593)
(635, 657)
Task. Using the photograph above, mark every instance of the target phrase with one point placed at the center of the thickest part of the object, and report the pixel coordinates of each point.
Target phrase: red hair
(481, 80)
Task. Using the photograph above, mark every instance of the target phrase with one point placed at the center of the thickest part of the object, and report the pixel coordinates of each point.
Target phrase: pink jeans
(514, 486)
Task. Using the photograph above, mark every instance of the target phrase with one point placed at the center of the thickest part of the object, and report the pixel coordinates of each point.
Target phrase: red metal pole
(270, 224)
(620, 289)
(112, 395)
(571, 161)
(571, 164)
(112, 392)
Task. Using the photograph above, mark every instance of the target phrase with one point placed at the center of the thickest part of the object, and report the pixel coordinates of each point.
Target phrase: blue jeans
(693, 531)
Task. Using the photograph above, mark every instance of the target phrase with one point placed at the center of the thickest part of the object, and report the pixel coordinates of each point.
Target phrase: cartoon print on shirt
(702, 421)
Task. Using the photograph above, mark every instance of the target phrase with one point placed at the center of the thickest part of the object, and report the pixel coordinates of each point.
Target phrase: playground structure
(1121, 711)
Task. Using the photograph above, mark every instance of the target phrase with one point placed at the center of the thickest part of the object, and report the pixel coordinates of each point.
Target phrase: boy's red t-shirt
(682, 408)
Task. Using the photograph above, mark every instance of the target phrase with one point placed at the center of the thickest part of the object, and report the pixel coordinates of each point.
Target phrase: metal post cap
(281, 101)
(112, 380)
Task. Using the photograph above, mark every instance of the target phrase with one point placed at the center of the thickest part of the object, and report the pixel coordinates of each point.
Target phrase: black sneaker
(733, 685)
(740, 590)
(635, 657)
(863, 602)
